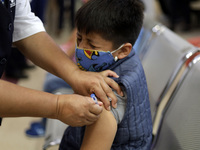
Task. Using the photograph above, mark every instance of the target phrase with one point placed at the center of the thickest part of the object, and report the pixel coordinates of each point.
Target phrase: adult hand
(113, 84)
(76, 110)
(86, 83)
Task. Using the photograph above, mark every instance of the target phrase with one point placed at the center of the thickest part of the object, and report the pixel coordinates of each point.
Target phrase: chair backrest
(143, 41)
(163, 56)
(145, 38)
(179, 127)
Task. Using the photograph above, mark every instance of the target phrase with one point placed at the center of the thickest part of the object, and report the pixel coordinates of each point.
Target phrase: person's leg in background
(39, 7)
(61, 15)
(186, 15)
(164, 8)
(179, 14)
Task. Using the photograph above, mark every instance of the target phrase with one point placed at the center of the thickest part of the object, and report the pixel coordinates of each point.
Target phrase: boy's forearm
(19, 101)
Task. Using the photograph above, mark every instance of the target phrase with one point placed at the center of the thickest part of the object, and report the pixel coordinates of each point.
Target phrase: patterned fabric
(94, 60)
(91, 60)
(135, 130)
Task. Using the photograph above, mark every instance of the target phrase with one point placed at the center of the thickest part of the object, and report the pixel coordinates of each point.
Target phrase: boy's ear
(125, 50)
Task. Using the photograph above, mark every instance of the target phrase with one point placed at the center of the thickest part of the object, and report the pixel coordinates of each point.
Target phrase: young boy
(107, 31)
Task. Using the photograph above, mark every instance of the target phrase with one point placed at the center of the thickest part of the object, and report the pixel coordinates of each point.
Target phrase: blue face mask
(94, 60)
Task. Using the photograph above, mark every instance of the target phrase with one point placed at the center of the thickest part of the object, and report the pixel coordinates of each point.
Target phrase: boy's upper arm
(105, 128)
(102, 131)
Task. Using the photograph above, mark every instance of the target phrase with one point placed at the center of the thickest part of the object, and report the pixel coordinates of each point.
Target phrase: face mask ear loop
(117, 49)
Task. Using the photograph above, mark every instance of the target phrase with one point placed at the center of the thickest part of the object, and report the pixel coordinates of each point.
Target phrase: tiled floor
(12, 131)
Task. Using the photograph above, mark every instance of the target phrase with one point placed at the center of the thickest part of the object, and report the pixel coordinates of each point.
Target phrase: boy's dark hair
(118, 21)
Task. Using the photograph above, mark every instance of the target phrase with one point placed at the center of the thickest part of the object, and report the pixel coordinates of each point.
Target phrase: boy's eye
(92, 46)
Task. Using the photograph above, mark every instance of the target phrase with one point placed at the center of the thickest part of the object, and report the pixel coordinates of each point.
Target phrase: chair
(54, 132)
(163, 56)
(144, 39)
(180, 122)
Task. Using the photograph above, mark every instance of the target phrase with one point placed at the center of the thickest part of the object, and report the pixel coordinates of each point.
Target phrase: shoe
(36, 130)
(36, 125)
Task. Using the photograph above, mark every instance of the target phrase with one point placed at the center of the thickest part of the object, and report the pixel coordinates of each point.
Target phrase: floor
(12, 131)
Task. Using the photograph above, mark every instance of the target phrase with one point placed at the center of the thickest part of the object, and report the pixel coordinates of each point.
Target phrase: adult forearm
(44, 52)
(20, 101)
(74, 110)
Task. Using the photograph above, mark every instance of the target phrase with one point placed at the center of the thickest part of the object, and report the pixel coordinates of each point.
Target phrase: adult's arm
(44, 52)
(74, 110)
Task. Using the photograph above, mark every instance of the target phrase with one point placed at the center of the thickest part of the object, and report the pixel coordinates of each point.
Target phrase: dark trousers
(38, 7)
(176, 10)
(62, 9)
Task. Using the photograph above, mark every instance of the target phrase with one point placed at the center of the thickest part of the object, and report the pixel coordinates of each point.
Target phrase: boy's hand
(76, 110)
(86, 83)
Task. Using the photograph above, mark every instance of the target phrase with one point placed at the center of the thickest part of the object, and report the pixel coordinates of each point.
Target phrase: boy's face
(93, 41)
(93, 53)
